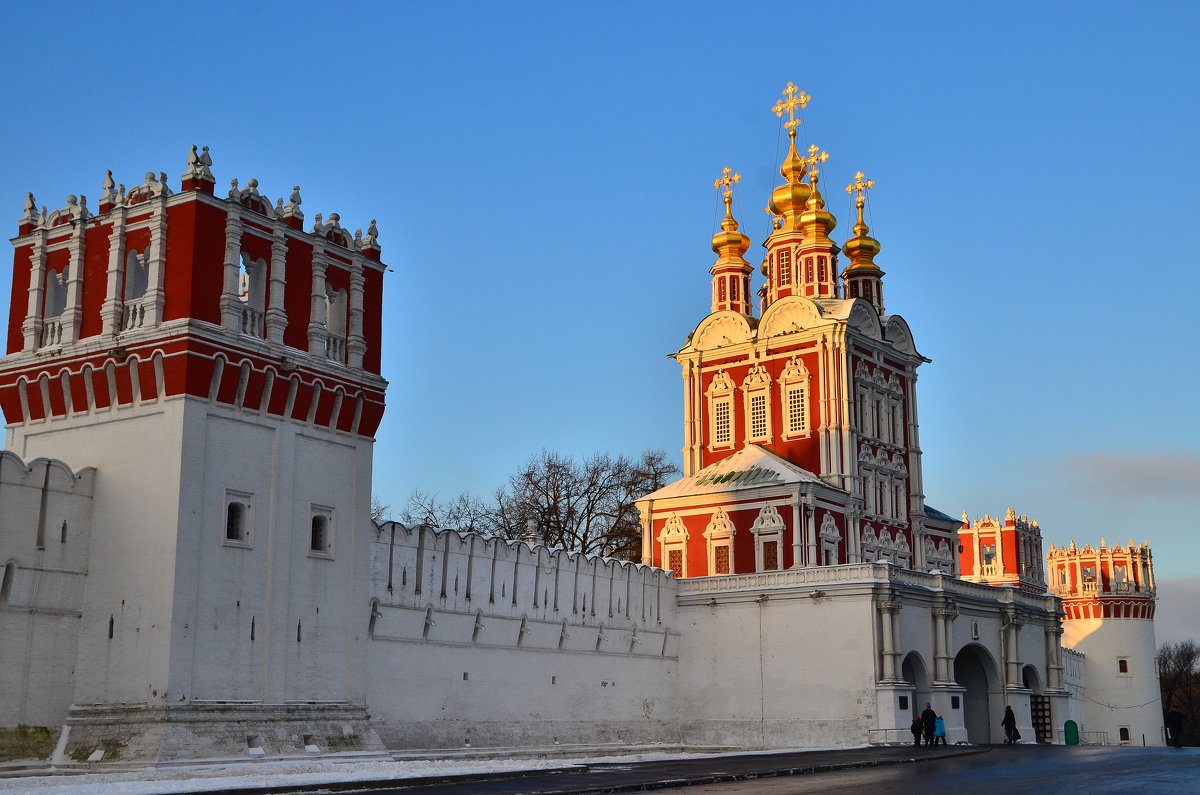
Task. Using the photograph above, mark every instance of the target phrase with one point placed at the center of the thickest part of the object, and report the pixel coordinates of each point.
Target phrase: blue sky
(542, 177)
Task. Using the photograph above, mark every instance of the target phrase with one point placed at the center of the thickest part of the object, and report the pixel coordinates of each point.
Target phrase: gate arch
(975, 670)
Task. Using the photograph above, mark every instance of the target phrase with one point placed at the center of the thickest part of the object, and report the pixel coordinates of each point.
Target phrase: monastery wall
(45, 528)
(497, 643)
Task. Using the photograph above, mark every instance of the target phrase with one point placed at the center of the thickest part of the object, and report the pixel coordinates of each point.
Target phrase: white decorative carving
(767, 521)
(898, 333)
(756, 377)
(719, 526)
(864, 318)
(720, 330)
(829, 529)
(720, 383)
(789, 315)
(673, 530)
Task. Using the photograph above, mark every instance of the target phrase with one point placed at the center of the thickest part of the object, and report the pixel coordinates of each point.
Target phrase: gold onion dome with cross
(789, 199)
(729, 243)
(816, 222)
(862, 248)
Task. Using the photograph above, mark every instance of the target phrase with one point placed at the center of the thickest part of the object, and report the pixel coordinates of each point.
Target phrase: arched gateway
(975, 670)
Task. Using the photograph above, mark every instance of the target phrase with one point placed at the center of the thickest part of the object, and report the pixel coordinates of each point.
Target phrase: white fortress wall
(779, 660)
(45, 525)
(1119, 699)
(498, 643)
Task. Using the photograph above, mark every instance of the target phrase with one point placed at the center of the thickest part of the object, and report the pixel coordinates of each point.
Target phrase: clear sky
(542, 176)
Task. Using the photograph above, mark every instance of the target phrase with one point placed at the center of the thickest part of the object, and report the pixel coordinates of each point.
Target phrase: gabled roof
(751, 467)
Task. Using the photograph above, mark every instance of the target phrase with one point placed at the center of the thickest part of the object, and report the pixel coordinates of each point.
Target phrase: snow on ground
(236, 775)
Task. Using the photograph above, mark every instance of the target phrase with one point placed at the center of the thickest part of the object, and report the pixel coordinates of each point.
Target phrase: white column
(356, 344)
(156, 294)
(73, 315)
(231, 306)
(797, 532)
(276, 314)
(888, 610)
(317, 330)
(31, 329)
(810, 534)
(113, 309)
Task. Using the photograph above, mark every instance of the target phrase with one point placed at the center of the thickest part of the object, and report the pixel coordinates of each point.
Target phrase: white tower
(1108, 600)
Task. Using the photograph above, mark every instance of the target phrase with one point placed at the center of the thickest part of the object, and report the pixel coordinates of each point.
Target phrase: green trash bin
(1071, 732)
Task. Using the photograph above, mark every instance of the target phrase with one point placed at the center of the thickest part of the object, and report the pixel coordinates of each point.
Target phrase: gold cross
(815, 156)
(790, 105)
(861, 186)
(728, 180)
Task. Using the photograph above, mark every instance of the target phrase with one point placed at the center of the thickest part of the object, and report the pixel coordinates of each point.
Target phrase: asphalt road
(1003, 771)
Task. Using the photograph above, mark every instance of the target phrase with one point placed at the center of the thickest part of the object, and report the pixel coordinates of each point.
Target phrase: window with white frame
(237, 519)
(785, 267)
(793, 386)
(756, 388)
(720, 407)
(672, 540)
(320, 532)
(719, 535)
(768, 539)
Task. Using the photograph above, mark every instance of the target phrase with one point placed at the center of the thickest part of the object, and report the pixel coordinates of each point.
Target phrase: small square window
(954, 702)
(320, 532)
(903, 702)
(1123, 666)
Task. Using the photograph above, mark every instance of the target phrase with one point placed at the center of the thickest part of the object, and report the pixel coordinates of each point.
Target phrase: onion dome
(788, 200)
(862, 248)
(816, 222)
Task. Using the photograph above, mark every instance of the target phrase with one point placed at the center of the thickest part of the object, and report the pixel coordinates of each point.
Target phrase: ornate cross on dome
(860, 186)
(815, 156)
(728, 180)
(790, 105)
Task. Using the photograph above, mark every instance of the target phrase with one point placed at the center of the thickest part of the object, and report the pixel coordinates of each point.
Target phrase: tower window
(1122, 666)
(320, 532)
(785, 267)
(721, 290)
(771, 555)
(821, 265)
(808, 269)
(237, 519)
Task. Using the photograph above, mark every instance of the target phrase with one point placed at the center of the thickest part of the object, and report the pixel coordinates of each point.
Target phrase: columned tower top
(1104, 581)
(1007, 552)
(165, 293)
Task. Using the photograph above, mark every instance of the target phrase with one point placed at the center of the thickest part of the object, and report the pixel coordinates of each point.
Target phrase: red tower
(800, 425)
(1002, 553)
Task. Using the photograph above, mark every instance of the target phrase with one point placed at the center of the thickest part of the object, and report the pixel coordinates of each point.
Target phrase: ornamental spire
(862, 278)
(731, 272)
(788, 199)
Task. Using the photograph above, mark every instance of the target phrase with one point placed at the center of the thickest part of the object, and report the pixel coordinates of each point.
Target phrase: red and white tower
(1108, 597)
(800, 425)
(1002, 553)
(219, 366)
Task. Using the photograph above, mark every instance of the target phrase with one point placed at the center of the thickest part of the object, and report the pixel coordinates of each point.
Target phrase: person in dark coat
(1011, 735)
(928, 721)
(917, 728)
(1175, 726)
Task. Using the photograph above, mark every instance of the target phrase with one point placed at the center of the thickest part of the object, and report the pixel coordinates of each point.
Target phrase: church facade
(191, 389)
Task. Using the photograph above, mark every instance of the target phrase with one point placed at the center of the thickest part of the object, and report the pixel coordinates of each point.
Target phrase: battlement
(1121, 573)
(163, 293)
(1000, 552)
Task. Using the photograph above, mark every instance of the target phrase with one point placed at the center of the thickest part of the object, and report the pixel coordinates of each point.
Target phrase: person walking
(939, 731)
(1011, 735)
(928, 719)
(917, 728)
(1175, 726)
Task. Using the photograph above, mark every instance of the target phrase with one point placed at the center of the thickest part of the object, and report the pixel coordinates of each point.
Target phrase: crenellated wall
(45, 532)
(498, 643)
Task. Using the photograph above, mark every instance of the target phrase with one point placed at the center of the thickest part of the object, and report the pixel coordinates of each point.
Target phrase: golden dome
(789, 199)
(862, 248)
(729, 243)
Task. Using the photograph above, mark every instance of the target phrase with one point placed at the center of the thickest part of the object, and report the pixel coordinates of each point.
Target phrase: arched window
(252, 287)
(56, 293)
(320, 532)
(673, 544)
(768, 539)
(237, 518)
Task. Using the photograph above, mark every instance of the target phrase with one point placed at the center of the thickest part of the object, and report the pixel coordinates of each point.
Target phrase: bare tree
(465, 512)
(585, 506)
(1179, 680)
(380, 510)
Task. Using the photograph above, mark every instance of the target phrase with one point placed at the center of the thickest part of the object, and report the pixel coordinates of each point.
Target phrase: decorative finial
(295, 199)
(121, 193)
(373, 230)
(776, 220)
(29, 214)
(728, 179)
(966, 519)
(108, 183)
(815, 156)
(860, 186)
(790, 105)
(205, 158)
(234, 191)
